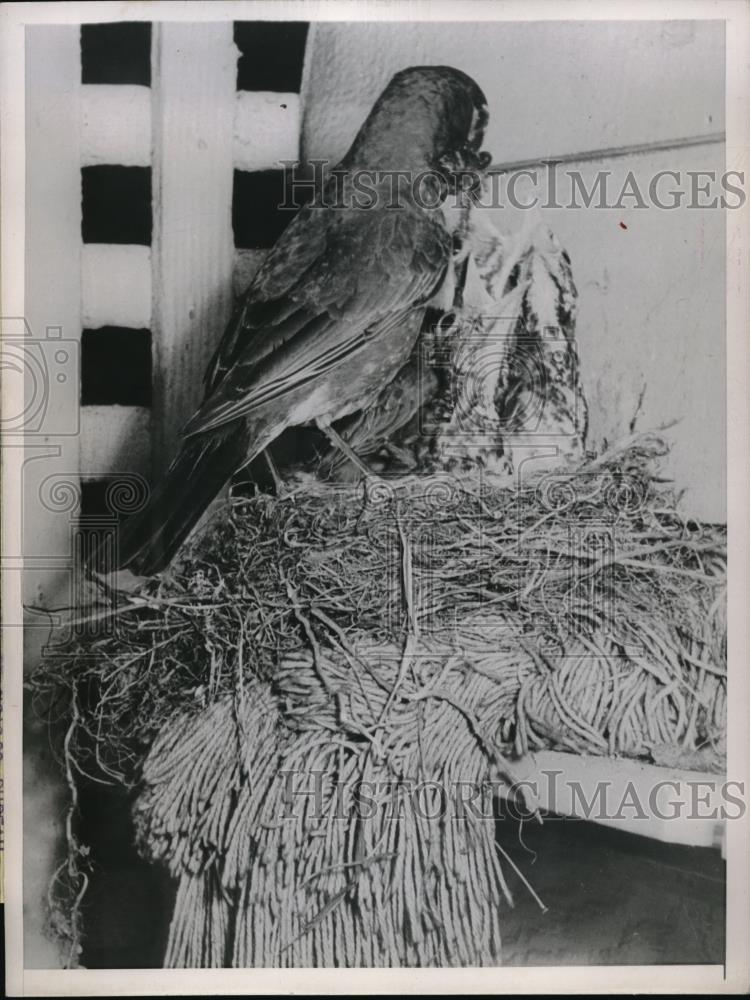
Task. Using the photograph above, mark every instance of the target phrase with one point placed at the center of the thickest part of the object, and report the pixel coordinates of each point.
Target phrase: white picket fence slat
(116, 285)
(115, 125)
(114, 439)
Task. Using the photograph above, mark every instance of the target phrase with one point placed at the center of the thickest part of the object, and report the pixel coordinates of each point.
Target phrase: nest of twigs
(421, 633)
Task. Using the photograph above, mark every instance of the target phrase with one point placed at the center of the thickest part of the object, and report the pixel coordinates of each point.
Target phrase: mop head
(307, 702)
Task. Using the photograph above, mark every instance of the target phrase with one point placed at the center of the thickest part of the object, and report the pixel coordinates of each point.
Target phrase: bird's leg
(278, 482)
(338, 442)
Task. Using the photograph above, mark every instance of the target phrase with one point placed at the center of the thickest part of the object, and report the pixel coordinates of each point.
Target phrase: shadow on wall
(126, 908)
(128, 905)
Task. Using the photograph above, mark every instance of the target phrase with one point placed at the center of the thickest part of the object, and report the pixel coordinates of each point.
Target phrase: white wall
(652, 296)
(52, 300)
(559, 87)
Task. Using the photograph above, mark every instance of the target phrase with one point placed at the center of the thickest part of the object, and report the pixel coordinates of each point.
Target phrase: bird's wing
(334, 282)
(267, 301)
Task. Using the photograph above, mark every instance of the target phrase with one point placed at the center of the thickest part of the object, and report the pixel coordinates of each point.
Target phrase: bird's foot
(278, 480)
(338, 442)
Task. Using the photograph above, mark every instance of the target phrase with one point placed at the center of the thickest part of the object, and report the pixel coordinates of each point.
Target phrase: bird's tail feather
(149, 539)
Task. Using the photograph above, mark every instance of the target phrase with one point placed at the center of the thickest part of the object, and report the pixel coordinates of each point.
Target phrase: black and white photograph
(375, 428)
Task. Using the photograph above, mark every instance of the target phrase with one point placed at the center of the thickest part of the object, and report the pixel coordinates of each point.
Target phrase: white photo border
(734, 977)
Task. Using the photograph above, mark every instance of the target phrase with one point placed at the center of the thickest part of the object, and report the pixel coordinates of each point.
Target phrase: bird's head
(428, 117)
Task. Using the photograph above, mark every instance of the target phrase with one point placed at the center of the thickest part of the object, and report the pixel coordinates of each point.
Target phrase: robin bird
(386, 433)
(335, 309)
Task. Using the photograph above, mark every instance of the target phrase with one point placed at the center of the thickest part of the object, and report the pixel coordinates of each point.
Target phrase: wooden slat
(115, 439)
(116, 285)
(193, 102)
(266, 129)
(115, 125)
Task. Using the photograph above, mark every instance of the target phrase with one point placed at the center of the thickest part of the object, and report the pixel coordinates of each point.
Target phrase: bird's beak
(485, 159)
(476, 164)
(464, 170)
(477, 161)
